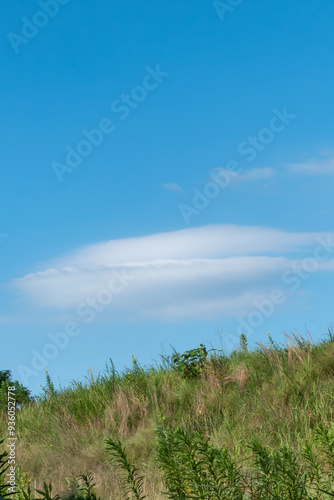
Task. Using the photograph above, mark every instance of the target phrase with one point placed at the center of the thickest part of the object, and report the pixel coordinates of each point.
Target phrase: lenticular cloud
(201, 272)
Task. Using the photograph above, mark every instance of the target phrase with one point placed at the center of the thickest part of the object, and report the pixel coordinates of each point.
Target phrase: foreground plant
(132, 481)
(193, 468)
(278, 475)
(323, 479)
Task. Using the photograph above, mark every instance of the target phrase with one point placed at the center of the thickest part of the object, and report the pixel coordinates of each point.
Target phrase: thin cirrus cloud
(315, 167)
(192, 273)
(321, 167)
(172, 186)
(254, 174)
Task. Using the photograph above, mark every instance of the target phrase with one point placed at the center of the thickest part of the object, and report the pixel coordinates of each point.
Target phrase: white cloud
(314, 167)
(173, 186)
(247, 175)
(201, 272)
(254, 174)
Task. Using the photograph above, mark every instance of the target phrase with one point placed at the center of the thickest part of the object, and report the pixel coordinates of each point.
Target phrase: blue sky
(171, 162)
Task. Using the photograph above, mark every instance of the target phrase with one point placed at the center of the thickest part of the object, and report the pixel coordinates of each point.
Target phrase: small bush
(191, 363)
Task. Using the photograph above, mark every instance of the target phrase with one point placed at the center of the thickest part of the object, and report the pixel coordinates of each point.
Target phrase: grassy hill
(268, 414)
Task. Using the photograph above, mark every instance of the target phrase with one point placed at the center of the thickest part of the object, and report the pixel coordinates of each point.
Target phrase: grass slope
(281, 395)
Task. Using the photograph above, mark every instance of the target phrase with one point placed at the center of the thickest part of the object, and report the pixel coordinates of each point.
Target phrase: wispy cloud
(201, 272)
(173, 186)
(254, 174)
(314, 167)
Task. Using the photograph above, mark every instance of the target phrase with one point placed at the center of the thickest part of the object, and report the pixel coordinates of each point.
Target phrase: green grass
(252, 424)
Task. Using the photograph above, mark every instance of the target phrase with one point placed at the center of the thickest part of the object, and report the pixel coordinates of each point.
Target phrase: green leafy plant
(49, 388)
(243, 343)
(47, 493)
(193, 468)
(136, 376)
(132, 481)
(278, 474)
(191, 363)
(325, 440)
(23, 490)
(87, 486)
